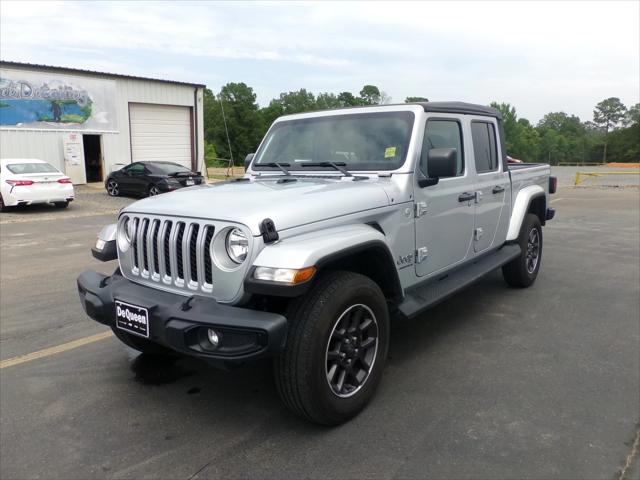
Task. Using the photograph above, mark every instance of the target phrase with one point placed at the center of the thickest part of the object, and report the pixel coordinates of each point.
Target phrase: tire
(153, 191)
(316, 349)
(3, 207)
(142, 344)
(113, 189)
(523, 270)
(61, 204)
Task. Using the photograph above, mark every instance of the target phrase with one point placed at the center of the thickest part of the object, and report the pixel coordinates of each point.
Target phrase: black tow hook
(186, 305)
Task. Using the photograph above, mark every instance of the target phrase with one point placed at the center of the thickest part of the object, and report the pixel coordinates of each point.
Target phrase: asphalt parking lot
(495, 383)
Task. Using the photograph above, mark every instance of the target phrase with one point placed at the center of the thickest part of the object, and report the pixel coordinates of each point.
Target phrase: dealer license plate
(190, 182)
(132, 319)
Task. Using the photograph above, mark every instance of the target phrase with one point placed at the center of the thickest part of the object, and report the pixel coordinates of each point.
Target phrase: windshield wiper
(337, 165)
(279, 165)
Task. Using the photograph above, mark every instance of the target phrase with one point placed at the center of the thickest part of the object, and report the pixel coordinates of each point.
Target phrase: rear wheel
(3, 207)
(336, 348)
(141, 344)
(523, 270)
(61, 204)
(153, 191)
(113, 189)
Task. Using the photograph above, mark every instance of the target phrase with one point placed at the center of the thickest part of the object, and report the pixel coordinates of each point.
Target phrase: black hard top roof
(460, 107)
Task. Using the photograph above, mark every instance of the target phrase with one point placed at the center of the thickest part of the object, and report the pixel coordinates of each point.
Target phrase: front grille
(173, 252)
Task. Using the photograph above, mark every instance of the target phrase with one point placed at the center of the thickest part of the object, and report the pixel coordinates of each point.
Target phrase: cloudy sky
(539, 56)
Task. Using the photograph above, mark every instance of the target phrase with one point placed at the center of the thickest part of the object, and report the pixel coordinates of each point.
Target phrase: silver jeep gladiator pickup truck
(345, 220)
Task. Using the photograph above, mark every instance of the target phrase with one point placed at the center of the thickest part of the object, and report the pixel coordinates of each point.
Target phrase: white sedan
(28, 181)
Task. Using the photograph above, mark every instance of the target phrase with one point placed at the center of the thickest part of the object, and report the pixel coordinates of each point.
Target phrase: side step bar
(433, 291)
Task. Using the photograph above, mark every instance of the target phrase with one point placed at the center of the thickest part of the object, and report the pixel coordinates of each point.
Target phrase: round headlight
(123, 235)
(237, 245)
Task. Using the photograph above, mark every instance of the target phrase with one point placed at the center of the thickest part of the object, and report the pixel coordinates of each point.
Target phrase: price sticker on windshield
(390, 152)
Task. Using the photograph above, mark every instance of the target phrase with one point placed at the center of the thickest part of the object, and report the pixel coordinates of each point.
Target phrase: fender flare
(520, 209)
(320, 249)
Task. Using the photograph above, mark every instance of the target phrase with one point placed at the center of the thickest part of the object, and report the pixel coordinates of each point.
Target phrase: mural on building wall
(34, 100)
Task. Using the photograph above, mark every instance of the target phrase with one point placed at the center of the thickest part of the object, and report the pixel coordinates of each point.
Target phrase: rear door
(443, 223)
(492, 186)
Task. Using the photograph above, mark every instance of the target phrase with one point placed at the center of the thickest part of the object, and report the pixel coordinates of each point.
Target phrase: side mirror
(247, 160)
(441, 162)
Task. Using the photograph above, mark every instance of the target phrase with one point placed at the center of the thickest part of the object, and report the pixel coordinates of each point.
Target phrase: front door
(492, 187)
(444, 222)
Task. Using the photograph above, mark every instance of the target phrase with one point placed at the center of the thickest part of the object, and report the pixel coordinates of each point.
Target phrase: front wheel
(113, 189)
(336, 348)
(523, 270)
(153, 191)
(61, 204)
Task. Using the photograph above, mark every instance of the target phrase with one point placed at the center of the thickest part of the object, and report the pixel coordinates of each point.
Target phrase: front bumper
(180, 323)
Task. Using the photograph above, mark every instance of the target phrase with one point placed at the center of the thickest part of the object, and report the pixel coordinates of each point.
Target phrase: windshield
(366, 141)
(20, 168)
(168, 168)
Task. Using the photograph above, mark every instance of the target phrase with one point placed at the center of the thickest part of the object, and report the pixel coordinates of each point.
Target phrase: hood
(288, 204)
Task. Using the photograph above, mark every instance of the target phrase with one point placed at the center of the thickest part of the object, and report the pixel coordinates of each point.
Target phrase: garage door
(160, 132)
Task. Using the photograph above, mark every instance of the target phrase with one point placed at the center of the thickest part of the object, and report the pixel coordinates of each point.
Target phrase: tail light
(64, 180)
(553, 184)
(19, 183)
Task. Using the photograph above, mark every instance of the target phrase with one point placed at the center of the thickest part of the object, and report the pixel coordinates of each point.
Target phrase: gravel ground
(567, 176)
(90, 200)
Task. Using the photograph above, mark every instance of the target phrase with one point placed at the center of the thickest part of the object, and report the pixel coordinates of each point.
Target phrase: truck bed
(525, 174)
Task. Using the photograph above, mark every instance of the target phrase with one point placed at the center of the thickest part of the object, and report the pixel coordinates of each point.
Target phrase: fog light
(212, 336)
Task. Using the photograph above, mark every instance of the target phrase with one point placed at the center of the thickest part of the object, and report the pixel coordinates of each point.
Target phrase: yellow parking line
(556, 200)
(47, 352)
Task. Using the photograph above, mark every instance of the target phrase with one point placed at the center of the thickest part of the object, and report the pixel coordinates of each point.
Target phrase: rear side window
(442, 134)
(484, 146)
(20, 168)
(135, 168)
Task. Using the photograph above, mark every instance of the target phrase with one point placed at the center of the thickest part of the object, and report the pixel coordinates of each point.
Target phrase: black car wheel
(523, 270)
(113, 189)
(3, 207)
(61, 204)
(336, 348)
(153, 190)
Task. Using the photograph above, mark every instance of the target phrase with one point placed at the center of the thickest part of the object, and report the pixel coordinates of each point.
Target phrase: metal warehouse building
(89, 123)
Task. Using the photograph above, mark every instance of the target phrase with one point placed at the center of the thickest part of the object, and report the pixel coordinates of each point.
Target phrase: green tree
(607, 115)
(296, 102)
(325, 101)
(348, 99)
(243, 121)
(415, 99)
(633, 115)
(370, 95)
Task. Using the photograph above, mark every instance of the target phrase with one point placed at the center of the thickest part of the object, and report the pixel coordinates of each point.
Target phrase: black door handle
(498, 189)
(466, 197)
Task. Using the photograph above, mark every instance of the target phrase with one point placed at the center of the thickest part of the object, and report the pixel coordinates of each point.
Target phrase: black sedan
(151, 178)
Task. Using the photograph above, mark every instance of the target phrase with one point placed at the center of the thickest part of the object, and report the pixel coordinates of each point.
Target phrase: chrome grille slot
(208, 270)
(155, 226)
(173, 252)
(179, 249)
(134, 242)
(165, 254)
(193, 252)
